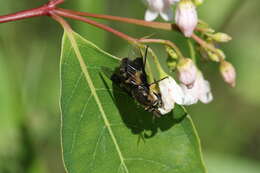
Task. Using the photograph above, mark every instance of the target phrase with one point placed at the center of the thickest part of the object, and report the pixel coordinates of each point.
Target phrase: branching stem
(96, 24)
(156, 25)
(205, 45)
(51, 8)
(35, 12)
(165, 42)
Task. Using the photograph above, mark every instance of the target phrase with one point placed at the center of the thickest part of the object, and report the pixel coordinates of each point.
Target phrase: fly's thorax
(141, 94)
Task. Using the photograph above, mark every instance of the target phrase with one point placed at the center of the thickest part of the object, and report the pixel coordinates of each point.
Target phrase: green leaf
(104, 130)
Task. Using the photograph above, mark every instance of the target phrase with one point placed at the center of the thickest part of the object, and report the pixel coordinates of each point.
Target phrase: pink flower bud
(187, 72)
(228, 73)
(186, 17)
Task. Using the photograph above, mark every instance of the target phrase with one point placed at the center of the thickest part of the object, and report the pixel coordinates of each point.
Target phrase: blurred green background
(229, 127)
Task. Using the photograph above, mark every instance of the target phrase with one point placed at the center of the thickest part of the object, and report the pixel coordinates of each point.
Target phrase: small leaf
(104, 130)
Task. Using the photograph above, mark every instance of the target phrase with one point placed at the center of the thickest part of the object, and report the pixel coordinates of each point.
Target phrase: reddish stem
(35, 12)
(204, 44)
(156, 25)
(96, 24)
(54, 3)
(50, 7)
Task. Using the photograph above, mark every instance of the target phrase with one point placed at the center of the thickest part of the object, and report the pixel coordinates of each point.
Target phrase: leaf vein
(74, 136)
(151, 161)
(96, 97)
(74, 89)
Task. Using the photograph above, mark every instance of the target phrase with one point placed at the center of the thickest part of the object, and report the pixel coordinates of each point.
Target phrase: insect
(132, 78)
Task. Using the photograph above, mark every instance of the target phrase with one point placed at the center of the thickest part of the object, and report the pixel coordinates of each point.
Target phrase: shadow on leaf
(135, 117)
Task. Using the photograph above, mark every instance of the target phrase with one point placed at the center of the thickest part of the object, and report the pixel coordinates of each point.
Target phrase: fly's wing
(124, 75)
(116, 78)
(139, 64)
(133, 70)
(124, 71)
(134, 51)
(127, 68)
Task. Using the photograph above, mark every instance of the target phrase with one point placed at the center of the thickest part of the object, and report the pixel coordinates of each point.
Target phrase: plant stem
(96, 24)
(50, 7)
(54, 3)
(132, 40)
(67, 28)
(204, 44)
(35, 12)
(46, 9)
(165, 42)
(192, 51)
(156, 25)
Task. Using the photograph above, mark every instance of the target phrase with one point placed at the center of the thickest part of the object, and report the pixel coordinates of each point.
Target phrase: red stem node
(35, 12)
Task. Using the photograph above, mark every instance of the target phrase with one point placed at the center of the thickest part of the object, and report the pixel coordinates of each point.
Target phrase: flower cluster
(185, 17)
(192, 86)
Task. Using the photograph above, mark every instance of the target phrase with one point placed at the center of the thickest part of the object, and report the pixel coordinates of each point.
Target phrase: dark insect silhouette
(132, 78)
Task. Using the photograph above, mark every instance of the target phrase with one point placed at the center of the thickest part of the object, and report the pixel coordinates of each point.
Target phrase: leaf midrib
(93, 91)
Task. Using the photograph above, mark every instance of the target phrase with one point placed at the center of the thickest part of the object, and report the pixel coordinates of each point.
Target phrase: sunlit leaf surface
(104, 130)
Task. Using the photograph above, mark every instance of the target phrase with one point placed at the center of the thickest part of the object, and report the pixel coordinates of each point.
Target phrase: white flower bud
(198, 2)
(186, 17)
(190, 97)
(171, 93)
(200, 91)
(216, 56)
(159, 7)
(228, 73)
(171, 63)
(171, 52)
(221, 53)
(187, 71)
(172, 58)
(213, 56)
(204, 91)
(221, 37)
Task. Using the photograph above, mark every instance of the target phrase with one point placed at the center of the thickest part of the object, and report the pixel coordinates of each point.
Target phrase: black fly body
(132, 78)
